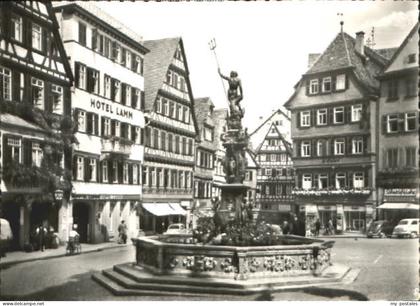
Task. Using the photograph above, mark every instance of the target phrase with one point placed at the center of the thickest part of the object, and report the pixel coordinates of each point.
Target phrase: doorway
(11, 212)
(81, 214)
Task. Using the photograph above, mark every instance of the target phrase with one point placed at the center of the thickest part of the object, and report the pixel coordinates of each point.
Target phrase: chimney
(360, 42)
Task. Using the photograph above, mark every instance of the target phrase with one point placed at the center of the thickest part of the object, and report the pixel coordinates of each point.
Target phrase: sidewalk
(16, 257)
(344, 235)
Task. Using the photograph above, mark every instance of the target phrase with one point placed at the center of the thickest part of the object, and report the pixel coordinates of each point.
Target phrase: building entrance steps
(130, 279)
(17, 257)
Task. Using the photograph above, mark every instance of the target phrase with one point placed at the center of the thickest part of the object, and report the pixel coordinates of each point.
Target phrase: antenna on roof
(341, 21)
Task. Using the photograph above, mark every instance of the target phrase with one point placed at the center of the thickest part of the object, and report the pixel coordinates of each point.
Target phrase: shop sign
(328, 160)
(401, 192)
(107, 107)
(325, 207)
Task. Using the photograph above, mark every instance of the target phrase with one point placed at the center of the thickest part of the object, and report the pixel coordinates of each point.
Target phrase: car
(407, 228)
(176, 228)
(6, 236)
(380, 229)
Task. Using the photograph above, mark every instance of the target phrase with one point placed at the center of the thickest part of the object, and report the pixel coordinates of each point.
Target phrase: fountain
(238, 256)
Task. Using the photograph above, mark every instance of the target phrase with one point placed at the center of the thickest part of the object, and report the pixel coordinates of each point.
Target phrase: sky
(267, 43)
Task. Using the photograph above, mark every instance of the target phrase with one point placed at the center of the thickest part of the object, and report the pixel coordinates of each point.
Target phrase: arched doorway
(81, 213)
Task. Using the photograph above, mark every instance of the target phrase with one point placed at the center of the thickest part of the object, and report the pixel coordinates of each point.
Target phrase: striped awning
(409, 206)
(164, 209)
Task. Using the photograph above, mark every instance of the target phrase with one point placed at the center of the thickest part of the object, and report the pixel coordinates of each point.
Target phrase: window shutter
(133, 133)
(367, 183)
(11, 27)
(331, 143)
(346, 81)
(401, 123)
(315, 181)
(347, 114)
(330, 112)
(66, 100)
(113, 128)
(142, 136)
(298, 146)
(27, 152)
(299, 177)
(110, 172)
(44, 40)
(102, 126)
(307, 87)
(348, 145)
(74, 166)
(313, 148)
(94, 39)
(75, 119)
(16, 85)
(114, 50)
(96, 116)
(123, 95)
(384, 127)
(89, 81)
(89, 127)
(7, 156)
(324, 147)
(365, 144)
(27, 33)
(48, 97)
(87, 175)
(113, 89)
(332, 179)
(130, 174)
(298, 119)
(123, 56)
(333, 83)
(77, 74)
(120, 172)
(142, 101)
(312, 117)
(133, 97)
(350, 179)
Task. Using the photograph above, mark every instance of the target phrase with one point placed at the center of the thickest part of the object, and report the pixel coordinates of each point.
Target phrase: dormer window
(340, 83)
(313, 87)
(326, 84)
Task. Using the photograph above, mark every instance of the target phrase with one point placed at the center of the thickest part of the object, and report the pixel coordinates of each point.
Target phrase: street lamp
(58, 194)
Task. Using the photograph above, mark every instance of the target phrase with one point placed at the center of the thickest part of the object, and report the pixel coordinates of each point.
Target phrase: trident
(212, 45)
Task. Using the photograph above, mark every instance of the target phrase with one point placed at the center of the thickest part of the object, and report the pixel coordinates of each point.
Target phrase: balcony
(116, 145)
(176, 92)
(333, 192)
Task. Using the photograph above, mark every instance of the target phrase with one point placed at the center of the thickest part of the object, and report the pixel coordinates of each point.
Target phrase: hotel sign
(328, 160)
(109, 108)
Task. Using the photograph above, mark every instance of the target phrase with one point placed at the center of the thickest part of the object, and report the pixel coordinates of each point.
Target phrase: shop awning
(164, 209)
(410, 206)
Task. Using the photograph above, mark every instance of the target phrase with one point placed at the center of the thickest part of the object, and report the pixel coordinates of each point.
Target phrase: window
(82, 34)
(323, 181)
(105, 171)
(5, 83)
(306, 149)
(158, 105)
(115, 172)
(320, 148)
(411, 87)
(116, 51)
(81, 121)
(57, 98)
(16, 149)
(410, 156)
(117, 128)
(37, 93)
(135, 174)
(322, 116)
(326, 84)
(313, 87)
(127, 58)
(411, 58)
(392, 123)
(36, 36)
(392, 157)
(92, 169)
(125, 173)
(106, 126)
(17, 28)
(357, 146)
(137, 135)
(93, 81)
(172, 109)
(393, 89)
(117, 91)
(80, 168)
(107, 87)
(127, 94)
(137, 64)
(339, 114)
(305, 118)
(208, 134)
(36, 154)
(358, 180)
(340, 180)
(136, 98)
(340, 82)
(268, 172)
(81, 80)
(356, 112)
(410, 122)
(306, 181)
(339, 146)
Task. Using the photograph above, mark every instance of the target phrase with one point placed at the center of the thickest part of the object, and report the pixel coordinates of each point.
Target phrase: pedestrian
(331, 227)
(122, 230)
(41, 233)
(317, 227)
(73, 239)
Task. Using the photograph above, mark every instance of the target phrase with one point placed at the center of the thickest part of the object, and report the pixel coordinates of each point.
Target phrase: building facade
(205, 152)
(334, 127)
(35, 126)
(398, 145)
(170, 133)
(107, 61)
(220, 116)
(275, 180)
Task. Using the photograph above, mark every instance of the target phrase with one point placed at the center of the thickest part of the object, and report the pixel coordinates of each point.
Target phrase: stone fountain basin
(232, 262)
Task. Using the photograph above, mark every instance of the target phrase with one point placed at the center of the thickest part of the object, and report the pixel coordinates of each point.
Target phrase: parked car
(6, 236)
(176, 228)
(380, 229)
(407, 228)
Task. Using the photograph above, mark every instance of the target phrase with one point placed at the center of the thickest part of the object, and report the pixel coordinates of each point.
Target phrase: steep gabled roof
(201, 108)
(286, 144)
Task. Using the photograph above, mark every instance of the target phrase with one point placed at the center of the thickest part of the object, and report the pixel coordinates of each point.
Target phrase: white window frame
(115, 172)
(338, 177)
(408, 116)
(127, 94)
(338, 110)
(325, 81)
(306, 148)
(18, 27)
(81, 121)
(105, 171)
(107, 127)
(320, 178)
(138, 64)
(125, 173)
(128, 58)
(117, 129)
(356, 112)
(306, 181)
(117, 91)
(138, 98)
(6, 79)
(321, 114)
(135, 174)
(358, 180)
(57, 93)
(305, 118)
(37, 154)
(357, 145)
(107, 86)
(339, 146)
(95, 76)
(40, 85)
(36, 36)
(15, 143)
(319, 147)
(82, 76)
(391, 118)
(80, 168)
(340, 82)
(313, 86)
(92, 168)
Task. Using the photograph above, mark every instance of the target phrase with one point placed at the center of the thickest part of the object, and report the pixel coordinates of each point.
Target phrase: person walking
(122, 230)
(41, 233)
(317, 227)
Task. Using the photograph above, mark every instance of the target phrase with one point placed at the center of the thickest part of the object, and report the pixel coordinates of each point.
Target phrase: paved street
(383, 263)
